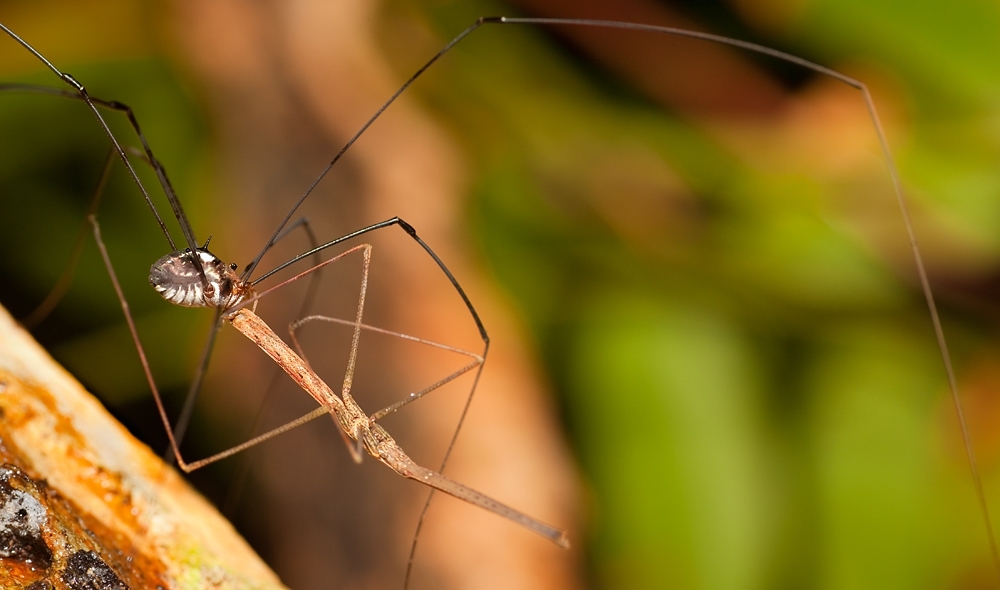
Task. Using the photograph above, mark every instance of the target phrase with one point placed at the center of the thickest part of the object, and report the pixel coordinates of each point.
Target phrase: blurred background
(711, 359)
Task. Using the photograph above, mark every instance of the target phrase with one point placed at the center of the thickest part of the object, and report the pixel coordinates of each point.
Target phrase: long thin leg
(132, 330)
(462, 492)
(412, 397)
(376, 440)
(62, 285)
(154, 163)
(356, 449)
(410, 231)
(345, 389)
(239, 480)
(358, 326)
(187, 410)
(184, 419)
(92, 103)
(184, 465)
(195, 465)
(353, 447)
(454, 282)
(897, 190)
(80, 93)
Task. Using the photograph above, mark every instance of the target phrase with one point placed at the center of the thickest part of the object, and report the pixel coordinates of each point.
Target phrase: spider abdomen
(176, 278)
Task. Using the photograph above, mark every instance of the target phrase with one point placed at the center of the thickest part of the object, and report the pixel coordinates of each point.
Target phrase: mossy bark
(83, 504)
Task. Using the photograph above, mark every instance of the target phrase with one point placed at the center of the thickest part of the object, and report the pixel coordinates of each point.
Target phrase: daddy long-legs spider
(821, 400)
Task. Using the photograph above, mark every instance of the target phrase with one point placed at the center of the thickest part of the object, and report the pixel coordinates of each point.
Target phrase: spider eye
(233, 266)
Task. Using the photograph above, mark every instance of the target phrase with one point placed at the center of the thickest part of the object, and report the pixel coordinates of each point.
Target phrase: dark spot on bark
(85, 570)
(20, 530)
